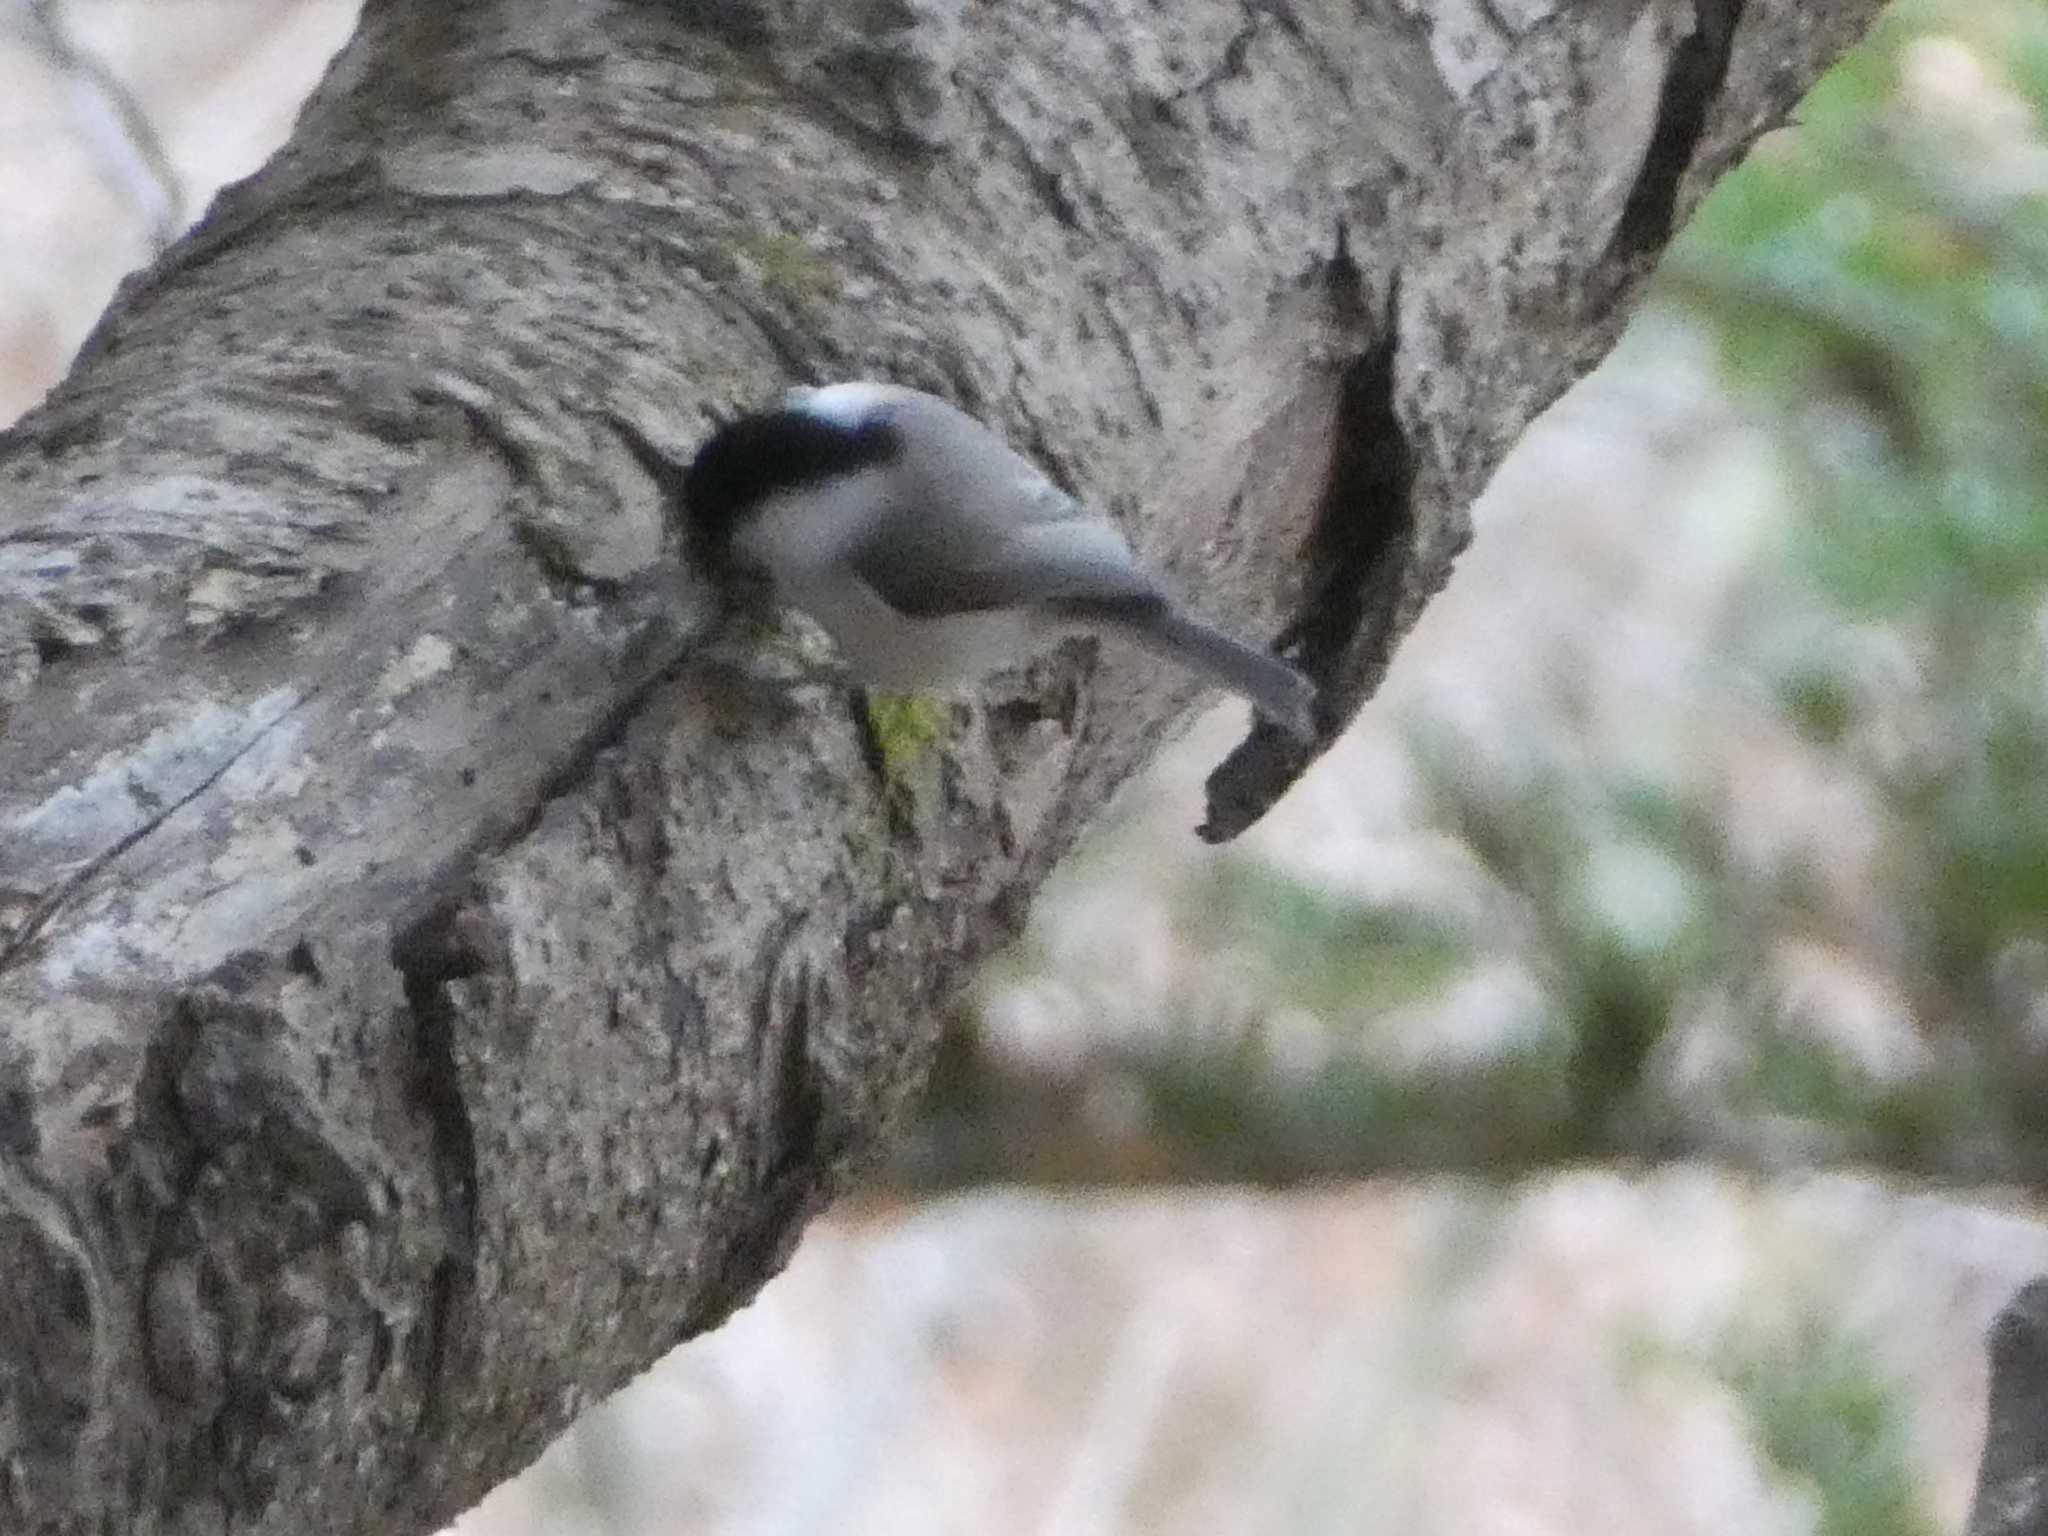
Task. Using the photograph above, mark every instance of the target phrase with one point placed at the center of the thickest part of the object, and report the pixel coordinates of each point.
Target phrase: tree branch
(431, 989)
(2012, 1479)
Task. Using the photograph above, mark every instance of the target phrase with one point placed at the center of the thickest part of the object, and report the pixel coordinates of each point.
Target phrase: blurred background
(1603, 1095)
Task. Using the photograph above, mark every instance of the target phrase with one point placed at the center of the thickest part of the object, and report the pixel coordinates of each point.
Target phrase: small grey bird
(933, 553)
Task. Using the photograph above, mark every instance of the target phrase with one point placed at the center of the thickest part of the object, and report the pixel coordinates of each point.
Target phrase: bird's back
(987, 527)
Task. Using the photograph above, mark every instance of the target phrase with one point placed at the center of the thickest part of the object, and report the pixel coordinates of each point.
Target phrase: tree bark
(428, 990)
(2012, 1475)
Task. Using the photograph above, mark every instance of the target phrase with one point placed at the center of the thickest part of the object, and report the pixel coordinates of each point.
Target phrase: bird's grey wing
(1077, 565)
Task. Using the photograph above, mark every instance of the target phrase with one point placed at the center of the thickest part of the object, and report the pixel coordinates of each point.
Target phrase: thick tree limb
(426, 992)
(2012, 1478)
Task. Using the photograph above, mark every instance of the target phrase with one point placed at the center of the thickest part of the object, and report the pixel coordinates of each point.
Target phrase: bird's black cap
(786, 449)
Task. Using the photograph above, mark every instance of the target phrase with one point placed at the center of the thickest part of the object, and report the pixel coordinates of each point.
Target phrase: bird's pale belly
(890, 649)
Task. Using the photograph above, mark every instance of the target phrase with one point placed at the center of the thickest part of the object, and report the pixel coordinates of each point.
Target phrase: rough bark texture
(425, 994)
(2012, 1479)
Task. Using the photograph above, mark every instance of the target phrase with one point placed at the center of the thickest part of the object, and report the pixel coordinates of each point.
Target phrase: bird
(933, 553)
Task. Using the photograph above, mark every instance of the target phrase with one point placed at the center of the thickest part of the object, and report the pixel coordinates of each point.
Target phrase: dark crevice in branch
(1698, 68)
(782, 1032)
(442, 948)
(1367, 511)
(1366, 517)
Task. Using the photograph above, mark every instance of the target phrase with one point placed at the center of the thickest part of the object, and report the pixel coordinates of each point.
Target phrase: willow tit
(933, 553)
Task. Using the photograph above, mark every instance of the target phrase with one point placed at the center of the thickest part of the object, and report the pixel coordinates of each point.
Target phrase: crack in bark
(1692, 82)
(1366, 517)
(782, 1024)
(1039, 176)
(1367, 505)
(439, 949)
(16, 947)
(1232, 63)
(1127, 348)
(1289, 22)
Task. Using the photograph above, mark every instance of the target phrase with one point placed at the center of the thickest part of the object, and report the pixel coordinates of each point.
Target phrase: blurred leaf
(1329, 953)
(1826, 1418)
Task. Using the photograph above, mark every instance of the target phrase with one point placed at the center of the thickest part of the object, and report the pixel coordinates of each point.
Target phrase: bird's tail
(1278, 691)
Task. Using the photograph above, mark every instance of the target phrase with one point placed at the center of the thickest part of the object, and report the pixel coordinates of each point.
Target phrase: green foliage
(1825, 1417)
(1880, 278)
(1625, 895)
(1239, 1119)
(1878, 281)
(1321, 951)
